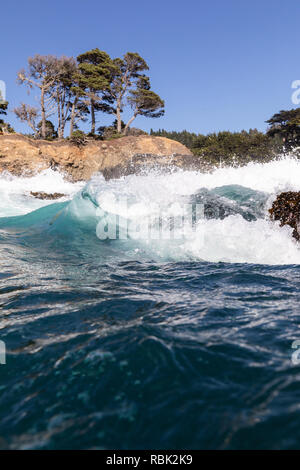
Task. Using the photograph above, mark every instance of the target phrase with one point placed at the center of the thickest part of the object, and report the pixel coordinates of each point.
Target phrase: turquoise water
(138, 343)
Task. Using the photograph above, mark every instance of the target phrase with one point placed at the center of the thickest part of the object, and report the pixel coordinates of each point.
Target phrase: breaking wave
(234, 227)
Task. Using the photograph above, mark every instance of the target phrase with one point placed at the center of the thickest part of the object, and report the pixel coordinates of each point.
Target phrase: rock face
(286, 209)
(114, 158)
(42, 195)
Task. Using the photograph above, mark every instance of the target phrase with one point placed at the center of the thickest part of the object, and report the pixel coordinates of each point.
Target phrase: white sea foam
(15, 198)
(232, 239)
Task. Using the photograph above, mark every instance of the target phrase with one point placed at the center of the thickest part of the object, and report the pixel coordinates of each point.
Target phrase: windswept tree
(286, 126)
(80, 103)
(60, 91)
(94, 83)
(42, 73)
(67, 96)
(144, 102)
(29, 115)
(131, 86)
(95, 74)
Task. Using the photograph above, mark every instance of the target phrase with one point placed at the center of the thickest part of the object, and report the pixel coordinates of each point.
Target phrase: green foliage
(285, 125)
(184, 137)
(3, 110)
(230, 146)
(127, 70)
(111, 132)
(94, 78)
(113, 136)
(98, 83)
(135, 132)
(79, 138)
(146, 103)
(130, 86)
(68, 98)
(51, 133)
(226, 147)
(3, 107)
(95, 83)
(96, 68)
(4, 126)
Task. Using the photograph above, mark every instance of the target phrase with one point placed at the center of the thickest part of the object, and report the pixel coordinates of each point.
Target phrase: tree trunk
(93, 128)
(129, 122)
(118, 113)
(43, 113)
(59, 113)
(73, 115)
(65, 108)
(62, 129)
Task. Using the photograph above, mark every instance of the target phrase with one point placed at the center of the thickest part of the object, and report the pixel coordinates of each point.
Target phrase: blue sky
(218, 64)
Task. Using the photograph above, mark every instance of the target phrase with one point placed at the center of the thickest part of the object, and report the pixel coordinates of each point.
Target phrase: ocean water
(181, 342)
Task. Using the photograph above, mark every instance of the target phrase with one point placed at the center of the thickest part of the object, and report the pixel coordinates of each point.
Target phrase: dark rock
(142, 163)
(286, 209)
(42, 195)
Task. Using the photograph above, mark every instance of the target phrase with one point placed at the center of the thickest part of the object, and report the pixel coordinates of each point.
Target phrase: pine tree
(286, 126)
(95, 68)
(130, 86)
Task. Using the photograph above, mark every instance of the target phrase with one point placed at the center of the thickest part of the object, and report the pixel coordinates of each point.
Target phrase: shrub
(79, 138)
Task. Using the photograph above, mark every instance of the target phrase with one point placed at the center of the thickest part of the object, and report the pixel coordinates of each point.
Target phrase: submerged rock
(42, 195)
(227, 200)
(286, 209)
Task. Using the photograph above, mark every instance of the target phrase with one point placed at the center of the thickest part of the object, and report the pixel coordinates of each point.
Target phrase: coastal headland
(21, 155)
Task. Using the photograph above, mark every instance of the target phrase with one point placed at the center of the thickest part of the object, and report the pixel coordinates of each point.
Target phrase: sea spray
(15, 198)
(145, 210)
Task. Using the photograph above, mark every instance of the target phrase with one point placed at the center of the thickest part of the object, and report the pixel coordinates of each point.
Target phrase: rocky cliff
(114, 158)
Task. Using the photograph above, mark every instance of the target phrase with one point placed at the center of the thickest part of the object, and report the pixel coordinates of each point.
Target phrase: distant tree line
(77, 89)
(184, 137)
(283, 135)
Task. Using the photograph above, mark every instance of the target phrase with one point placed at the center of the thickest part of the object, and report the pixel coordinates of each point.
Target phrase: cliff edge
(23, 155)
